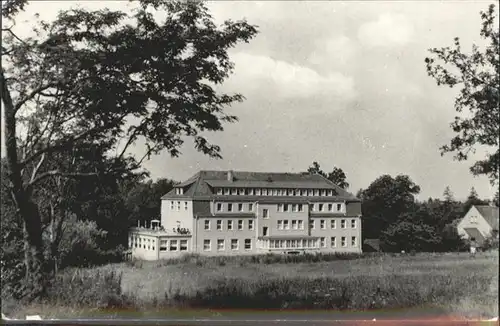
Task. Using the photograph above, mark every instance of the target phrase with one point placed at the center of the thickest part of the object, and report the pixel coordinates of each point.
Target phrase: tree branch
(35, 170)
(47, 174)
(32, 94)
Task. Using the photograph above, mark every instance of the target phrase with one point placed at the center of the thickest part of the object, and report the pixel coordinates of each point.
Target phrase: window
(264, 230)
(163, 245)
(342, 224)
(219, 225)
(207, 224)
(320, 207)
(229, 207)
(330, 207)
(226, 191)
(311, 207)
(241, 191)
(220, 244)
(333, 225)
(247, 191)
(230, 224)
(316, 192)
(173, 245)
(248, 244)
(219, 191)
(171, 205)
(207, 245)
(250, 224)
(257, 192)
(286, 225)
(285, 208)
(333, 242)
(301, 208)
(250, 191)
(264, 192)
(330, 192)
(234, 244)
(301, 225)
(219, 207)
(310, 192)
(343, 242)
(322, 224)
(353, 224)
(250, 207)
(185, 205)
(265, 213)
(275, 192)
(184, 245)
(178, 206)
(473, 219)
(294, 225)
(280, 207)
(240, 207)
(240, 224)
(280, 225)
(294, 208)
(354, 243)
(339, 207)
(311, 224)
(234, 191)
(322, 242)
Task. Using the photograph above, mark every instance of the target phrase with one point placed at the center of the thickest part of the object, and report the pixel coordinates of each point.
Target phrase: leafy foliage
(477, 73)
(384, 201)
(92, 83)
(337, 176)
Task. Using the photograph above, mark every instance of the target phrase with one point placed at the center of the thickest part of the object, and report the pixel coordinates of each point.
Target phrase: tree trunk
(26, 208)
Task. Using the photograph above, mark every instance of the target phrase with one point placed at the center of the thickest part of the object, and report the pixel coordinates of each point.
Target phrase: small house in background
(371, 245)
(479, 223)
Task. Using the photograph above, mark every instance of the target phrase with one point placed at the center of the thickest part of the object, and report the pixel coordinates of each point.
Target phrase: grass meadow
(454, 284)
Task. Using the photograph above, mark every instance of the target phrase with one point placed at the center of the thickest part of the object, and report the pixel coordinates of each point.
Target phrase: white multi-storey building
(236, 213)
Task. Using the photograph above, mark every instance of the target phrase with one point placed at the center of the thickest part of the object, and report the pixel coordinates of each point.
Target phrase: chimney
(230, 176)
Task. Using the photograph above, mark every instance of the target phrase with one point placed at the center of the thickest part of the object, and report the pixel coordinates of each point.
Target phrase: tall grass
(337, 282)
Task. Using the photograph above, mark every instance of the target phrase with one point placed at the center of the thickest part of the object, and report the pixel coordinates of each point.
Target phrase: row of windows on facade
(149, 244)
(308, 243)
(229, 207)
(274, 192)
(320, 207)
(221, 244)
(281, 224)
(282, 244)
(299, 224)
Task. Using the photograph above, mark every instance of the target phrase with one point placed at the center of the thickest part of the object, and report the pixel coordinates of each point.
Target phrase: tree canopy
(478, 76)
(337, 176)
(100, 81)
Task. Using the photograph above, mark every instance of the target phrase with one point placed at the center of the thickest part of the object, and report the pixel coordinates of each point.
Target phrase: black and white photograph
(194, 162)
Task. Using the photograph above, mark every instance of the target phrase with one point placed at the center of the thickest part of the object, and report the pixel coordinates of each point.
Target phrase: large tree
(108, 79)
(478, 75)
(337, 175)
(384, 202)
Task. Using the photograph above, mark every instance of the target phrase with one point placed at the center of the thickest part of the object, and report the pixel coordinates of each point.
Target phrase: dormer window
(330, 192)
(323, 192)
(179, 191)
(226, 191)
(250, 192)
(219, 191)
(234, 191)
(310, 192)
(241, 191)
(316, 192)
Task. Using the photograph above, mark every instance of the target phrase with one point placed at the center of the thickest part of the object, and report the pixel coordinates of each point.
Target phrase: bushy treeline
(392, 214)
(86, 223)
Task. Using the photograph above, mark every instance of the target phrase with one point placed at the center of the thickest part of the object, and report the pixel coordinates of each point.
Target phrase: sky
(340, 83)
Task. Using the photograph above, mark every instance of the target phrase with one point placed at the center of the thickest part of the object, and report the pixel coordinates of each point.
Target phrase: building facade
(237, 213)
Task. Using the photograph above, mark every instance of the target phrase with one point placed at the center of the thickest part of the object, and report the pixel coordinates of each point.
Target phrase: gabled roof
(490, 214)
(200, 185)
